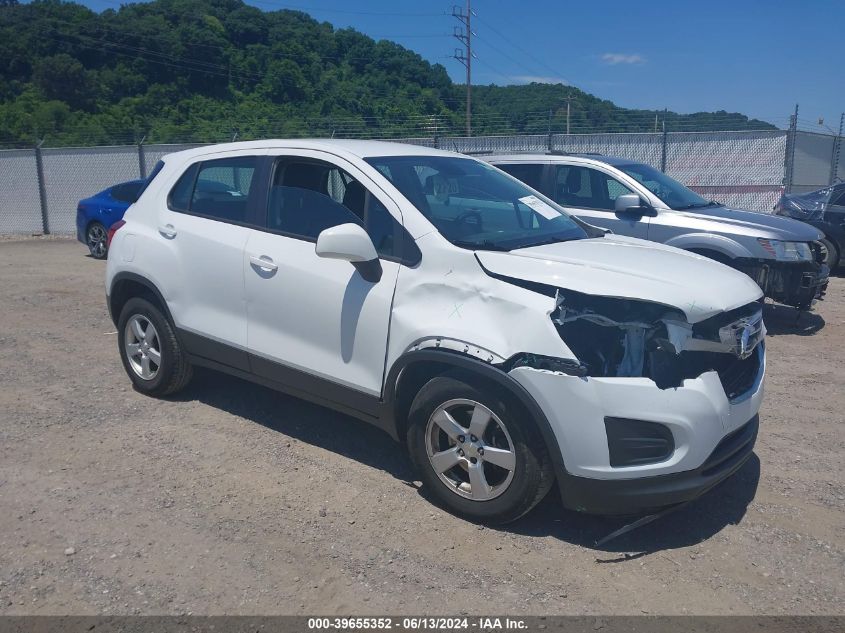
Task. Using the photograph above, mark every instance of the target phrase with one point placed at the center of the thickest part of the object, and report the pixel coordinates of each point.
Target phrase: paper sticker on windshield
(544, 209)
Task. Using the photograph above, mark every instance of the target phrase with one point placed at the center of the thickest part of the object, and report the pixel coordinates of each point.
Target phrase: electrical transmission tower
(464, 35)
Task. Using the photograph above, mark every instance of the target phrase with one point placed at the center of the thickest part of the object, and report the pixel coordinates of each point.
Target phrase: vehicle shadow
(687, 525)
(299, 419)
(359, 441)
(781, 320)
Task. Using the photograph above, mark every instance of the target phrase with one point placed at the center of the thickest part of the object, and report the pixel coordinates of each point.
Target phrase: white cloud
(621, 58)
(538, 79)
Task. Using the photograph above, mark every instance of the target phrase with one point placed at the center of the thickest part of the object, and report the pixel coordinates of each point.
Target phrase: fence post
(837, 151)
(42, 188)
(142, 159)
(789, 159)
(663, 149)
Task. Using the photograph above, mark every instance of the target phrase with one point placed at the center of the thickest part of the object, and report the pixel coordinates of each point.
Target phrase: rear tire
(150, 351)
(95, 238)
(477, 452)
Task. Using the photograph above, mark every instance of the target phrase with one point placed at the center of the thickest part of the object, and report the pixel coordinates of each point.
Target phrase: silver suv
(782, 255)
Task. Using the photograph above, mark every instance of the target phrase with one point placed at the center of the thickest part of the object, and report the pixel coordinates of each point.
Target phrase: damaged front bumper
(796, 284)
(711, 433)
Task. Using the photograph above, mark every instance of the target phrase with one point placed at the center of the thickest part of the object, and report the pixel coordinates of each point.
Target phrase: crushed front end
(794, 283)
(655, 410)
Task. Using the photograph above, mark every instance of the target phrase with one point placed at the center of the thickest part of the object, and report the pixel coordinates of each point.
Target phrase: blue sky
(751, 56)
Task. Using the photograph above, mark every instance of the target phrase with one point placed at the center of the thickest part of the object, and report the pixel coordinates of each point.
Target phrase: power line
(517, 46)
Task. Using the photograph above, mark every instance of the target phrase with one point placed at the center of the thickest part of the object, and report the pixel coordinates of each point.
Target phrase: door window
(531, 175)
(307, 197)
(587, 188)
(216, 189)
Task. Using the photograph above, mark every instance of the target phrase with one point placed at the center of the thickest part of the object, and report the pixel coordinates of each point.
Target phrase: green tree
(63, 78)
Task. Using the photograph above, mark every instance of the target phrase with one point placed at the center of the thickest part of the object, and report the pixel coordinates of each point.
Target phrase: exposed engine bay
(628, 338)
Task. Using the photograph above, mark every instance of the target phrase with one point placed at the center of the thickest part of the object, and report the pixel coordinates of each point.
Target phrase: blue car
(96, 214)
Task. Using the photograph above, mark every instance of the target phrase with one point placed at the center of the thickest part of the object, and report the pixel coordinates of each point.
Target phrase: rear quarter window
(531, 175)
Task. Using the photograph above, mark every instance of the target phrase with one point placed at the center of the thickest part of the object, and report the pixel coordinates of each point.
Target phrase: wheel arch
(705, 243)
(413, 369)
(89, 221)
(125, 286)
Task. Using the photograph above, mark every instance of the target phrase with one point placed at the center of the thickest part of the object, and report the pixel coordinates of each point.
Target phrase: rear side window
(216, 189)
(180, 196)
(127, 192)
(158, 167)
(531, 175)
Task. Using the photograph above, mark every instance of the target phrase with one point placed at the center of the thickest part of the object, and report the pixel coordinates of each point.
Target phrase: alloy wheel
(143, 347)
(470, 449)
(97, 240)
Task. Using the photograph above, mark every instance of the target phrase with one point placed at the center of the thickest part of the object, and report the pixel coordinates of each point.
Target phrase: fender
(143, 281)
(718, 243)
(455, 360)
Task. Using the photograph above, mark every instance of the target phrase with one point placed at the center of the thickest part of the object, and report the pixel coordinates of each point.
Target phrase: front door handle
(168, 231)
(263, 262)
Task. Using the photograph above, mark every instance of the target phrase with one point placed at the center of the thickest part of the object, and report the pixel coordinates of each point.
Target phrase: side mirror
(632, 204)
(350, 242)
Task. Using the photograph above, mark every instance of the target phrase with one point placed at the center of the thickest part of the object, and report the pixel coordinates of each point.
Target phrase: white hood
(629, 268)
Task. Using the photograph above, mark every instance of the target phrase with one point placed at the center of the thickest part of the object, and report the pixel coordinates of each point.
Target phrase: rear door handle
(264, 262)
(167, 231)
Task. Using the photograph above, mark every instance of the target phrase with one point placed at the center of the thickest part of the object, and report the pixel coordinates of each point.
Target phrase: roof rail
(560, 152)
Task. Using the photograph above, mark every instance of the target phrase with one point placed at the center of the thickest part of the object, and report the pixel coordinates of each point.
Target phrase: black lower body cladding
(646, 494)
(796, 284)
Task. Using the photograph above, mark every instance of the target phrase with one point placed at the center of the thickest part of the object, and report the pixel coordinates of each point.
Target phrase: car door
(317, 324)
(207, 219)
(590, 194)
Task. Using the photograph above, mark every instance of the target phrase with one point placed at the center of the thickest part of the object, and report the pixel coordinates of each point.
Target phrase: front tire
(95, 238)
(832, 253)
(150, 351)
(476, 452)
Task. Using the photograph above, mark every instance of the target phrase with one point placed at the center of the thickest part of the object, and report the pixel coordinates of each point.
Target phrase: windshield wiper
(712, 203)
(551, 240)
(484, 245)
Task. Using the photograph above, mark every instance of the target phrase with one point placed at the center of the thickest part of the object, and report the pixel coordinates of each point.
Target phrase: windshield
(474, 205)
(673, 194)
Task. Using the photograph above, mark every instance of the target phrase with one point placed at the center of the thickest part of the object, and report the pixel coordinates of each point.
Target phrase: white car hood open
(629, 268)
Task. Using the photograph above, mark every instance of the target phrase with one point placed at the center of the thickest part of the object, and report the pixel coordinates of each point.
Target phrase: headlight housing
(787, 251)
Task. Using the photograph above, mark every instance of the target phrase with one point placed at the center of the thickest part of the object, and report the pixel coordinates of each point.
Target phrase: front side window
(474, 205)
(307, 197)
(673, 194)
(216, 189)
(586, 188)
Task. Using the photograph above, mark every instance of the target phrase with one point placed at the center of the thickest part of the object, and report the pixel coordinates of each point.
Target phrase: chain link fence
(744, 169)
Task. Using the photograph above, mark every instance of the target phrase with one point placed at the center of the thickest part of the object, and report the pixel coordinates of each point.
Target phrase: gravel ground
(232, 499)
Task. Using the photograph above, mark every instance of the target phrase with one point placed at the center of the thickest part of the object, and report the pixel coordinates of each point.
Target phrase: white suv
(509, 344)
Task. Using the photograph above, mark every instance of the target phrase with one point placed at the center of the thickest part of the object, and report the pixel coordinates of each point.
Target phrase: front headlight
(787, 251)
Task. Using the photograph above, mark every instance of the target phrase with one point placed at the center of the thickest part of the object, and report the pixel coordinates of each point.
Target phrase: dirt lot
(234, 499)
